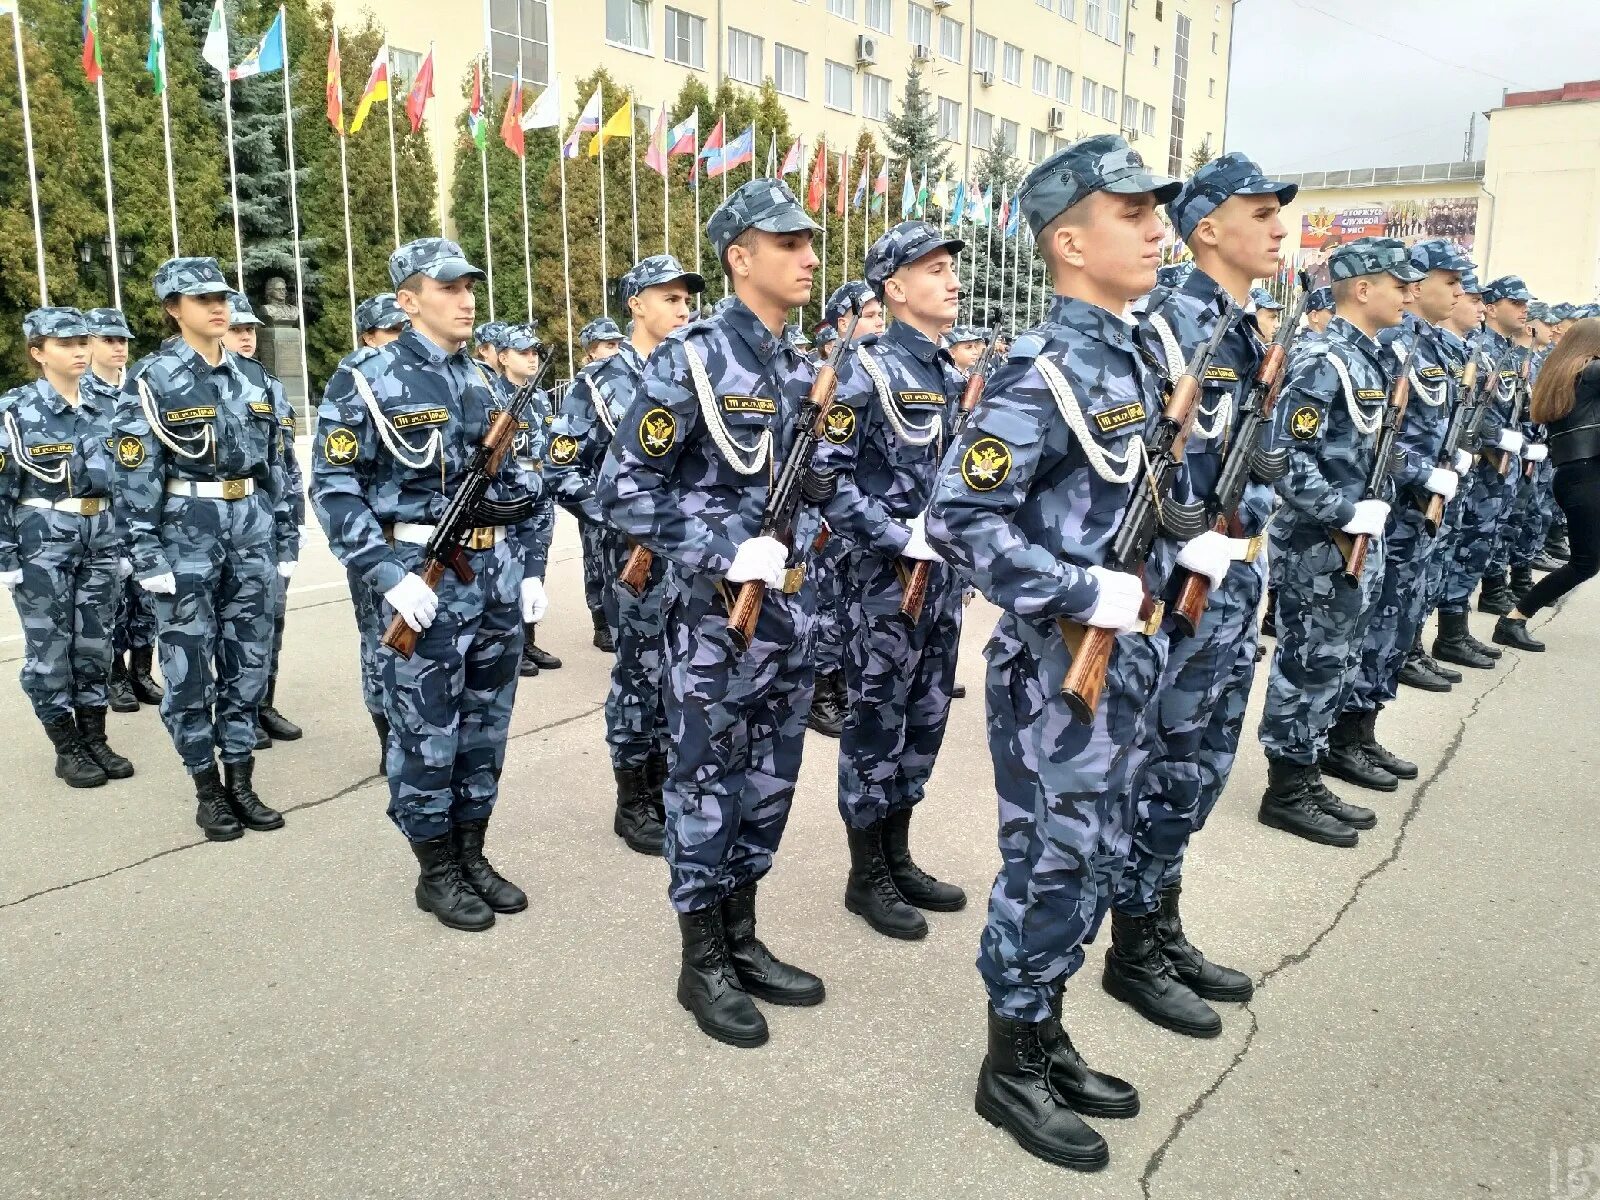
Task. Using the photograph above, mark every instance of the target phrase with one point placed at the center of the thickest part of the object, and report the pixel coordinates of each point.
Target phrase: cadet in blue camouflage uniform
(241, 340)
(1498, 593)
(965, 344)
(1319, 311)
(884, 434)
(395, 433)
(199, 495)
(1028, 500)
(1228, 214)
(687, 476)
(1268, 311)
(60, 554)
(601, 340)
(1327, 418)
(1354, 752)
(1535, 508)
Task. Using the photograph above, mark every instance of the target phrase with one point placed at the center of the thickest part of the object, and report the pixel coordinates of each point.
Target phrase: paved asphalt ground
(273, 1018)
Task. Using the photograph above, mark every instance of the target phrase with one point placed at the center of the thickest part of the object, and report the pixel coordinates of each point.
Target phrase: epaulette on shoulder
(1152, 300)
(1029, 345)
(356, 357)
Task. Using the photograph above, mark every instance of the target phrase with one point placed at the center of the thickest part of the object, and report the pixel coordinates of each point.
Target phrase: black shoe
(870, 891)
(443, 891)
(1085, 1090)
(1492, 653)
(603, 639)
(145, 689)
(1431, 665)
(1206, 979)
(1399, 767)
(279, 728)
(1545, 561)
(1269, 617)
(959, 692)
(1290, 804)
(827, 705)
(635, 820)
(242, 798)
(1352, 815)
(1017, 1091)
(381, 724)
(760, 972)
(1456, 645)
(1138, 974)
(526, 667)
(1557, 546)
(1494, 595)
(498, 892)
(121, 683)
(263, 738)
(212, 811)
(75, 766)
(1521, 582)
(92, 729)
(1347, 758)
(708, 985)
(1513, 632)
(542, 659)
(916, 886)
(1413, 673)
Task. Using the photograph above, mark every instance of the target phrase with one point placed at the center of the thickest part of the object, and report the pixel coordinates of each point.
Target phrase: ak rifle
(1355, 546)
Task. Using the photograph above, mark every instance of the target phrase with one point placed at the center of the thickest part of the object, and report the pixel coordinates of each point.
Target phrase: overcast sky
(1328, 84)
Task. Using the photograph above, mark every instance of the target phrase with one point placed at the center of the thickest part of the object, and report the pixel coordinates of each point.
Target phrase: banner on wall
(1324, 230)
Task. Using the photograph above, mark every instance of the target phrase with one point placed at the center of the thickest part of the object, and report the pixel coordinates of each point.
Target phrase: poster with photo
(1324, 230)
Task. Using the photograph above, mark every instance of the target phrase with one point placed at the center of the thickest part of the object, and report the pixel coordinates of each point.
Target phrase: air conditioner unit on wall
(943, 3)
(1057, 120)
(986, 78)
(922, 53)
(866, 51)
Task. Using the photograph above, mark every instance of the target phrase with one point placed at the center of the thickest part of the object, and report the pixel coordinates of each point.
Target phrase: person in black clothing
(1566, 399)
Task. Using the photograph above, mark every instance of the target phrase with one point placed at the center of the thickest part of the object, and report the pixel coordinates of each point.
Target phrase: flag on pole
(791, 161)
(156, 60)
(511, 123)
(215, 48)
(335, 87)
(545, 112)
(922, 195)
(91, 40)
(861, 183)
(421, 92)
(908, 196)
(880, 188)
(620, 125)
(958, 203)
(819, 179)
(266, 57)
(844, 169)
(1014, 221)
(736, 153)
(477, 123)
(712, 148)
(656, 156)
(588, 122)
(1005, 213)
(377, 87)
(684, 137)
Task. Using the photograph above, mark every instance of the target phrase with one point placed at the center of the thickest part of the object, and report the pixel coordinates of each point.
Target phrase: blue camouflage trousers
(899, 678)
(1533, 515)
(543, 533)
(136, 618)
(1486, 498)
(216, 631)
(636, 715)
(366, 603)
(830, 572)
(66, 603)
(1066, 811)
(280, 619)
(1399, 612)
(449, 704)
(737, 724)
(1322, 625)
(1441, 559)
(597, 597)
(1194, 739)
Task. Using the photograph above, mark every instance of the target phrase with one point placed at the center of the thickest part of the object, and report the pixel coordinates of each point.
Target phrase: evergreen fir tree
(987, 247)
(912, 132)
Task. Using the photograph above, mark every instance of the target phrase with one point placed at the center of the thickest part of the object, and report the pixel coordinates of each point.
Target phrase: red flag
(844, 170)
(91, 40)
(818, 186)
(335, 87)
(421, 92)
(511, 123)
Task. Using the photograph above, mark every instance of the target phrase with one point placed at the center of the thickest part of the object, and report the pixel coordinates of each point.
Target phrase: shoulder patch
(657, 429)
(563, 449)
(1305, 421)
(986, 464)
(1028, 345)
(130, 452)
(340, 447)
(749, 404)
(839, 423)
(1120, 417)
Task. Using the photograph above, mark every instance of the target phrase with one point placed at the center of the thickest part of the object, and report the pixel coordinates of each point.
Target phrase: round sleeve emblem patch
(1304, 422)
(839, 423)
(657, 429)
(563, 449)
(340, 447)
(986, 464)
(130, 452)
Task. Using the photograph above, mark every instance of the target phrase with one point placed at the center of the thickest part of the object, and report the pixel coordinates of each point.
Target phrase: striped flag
(377, 87)
(684, 137)
(880, 188)
(477, 123)
(861, 184)
(922, 195)
(156, 60)
(215, 48)
(91, 41)
(588, 122)
(266, 57)
(335, 88)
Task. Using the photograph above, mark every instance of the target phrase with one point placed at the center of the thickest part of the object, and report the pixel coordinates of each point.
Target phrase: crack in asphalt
(364, 781)
(1158, 1156)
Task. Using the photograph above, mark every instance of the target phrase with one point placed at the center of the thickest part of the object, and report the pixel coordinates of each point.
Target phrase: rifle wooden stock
(400, 637)
(1433, 514)
(1195, 594)
(1355, 558)
(916, 590)
(746, 611)
(1086, 677)
(635, 576)
(502, 434)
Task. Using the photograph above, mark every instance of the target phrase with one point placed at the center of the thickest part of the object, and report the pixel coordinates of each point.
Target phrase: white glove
(1210, 554)
(1121, 597)
(413, 602)
(10, 579)
(1463, 462)
(124, 568)
(161, 585)
(286, 569)
(1370, 517)
(534, 601)
(760, 558)
(1511, 441)
(918, 547)
(1443, 483)
(1536, 452)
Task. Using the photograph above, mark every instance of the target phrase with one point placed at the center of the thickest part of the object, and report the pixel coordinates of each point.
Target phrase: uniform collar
(1202, 287)
(738, 318)
(913, 341)
(191, 358)
(1348, 333)
(1082, 317)
(47, 397)
(425, 349)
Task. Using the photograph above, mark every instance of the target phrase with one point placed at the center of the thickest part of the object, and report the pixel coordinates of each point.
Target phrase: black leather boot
(1521, 582)
(1269, 617)
(526, 667)
(92, 729)
(1431, 664)
(1347, 758)
(1017, 1091)
(602, 634)
(1456, 645)
(1290, 804)
(1492, 653)
(1494, 595)
(1513, 632)
(709, 987)
(1352, 815)
(1085, 1090)
(381, 724)
(75, 766)
(498, 892)
(827, 705)
(1399, 767)
(242, 798)
(444, 891)
(1556, 544)
(263, 738)
(870, 892)
(1206, 979)
(279, 728)
(1138, 974)
(760, 972)
(1545, 561)
(542, 659)
(212, 812)
(145, 689)
(121, 683)
(915, 885)
(1414, 673)
(655, 777)
(635, 822)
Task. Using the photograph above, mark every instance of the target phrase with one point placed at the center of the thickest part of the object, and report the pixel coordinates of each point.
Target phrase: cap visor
(204, 288)
(954, 245)
(1163, 189)
(1406, 273)
(695, 283)
(235, 322)
(791, 221)
(453, 269)
(1285, 192)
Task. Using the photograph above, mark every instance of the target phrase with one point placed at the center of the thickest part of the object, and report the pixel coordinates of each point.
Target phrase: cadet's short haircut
(747, 239)
(1342, 288)
(411, 283)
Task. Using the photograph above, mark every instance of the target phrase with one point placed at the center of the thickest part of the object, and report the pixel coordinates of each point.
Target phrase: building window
(919, 25)
(1147, 119)
(745, 52)
(1036, 145)
(686, 39)
(644, 114)
(1108, 103)
(1091, 15)
(1009, 130)
(1064, 85)
(1091, 92)
(511, 44)
(1045, 3)
(789, 70)
(1069, 9)
(983, 48)
(950, 39)
(842, 8)
(982, 129)
(403, 67)
(1114, 21)
(949, 120)
(628, 24)
(879, 16)
(1180, 92)
(1059, 144)
(838, 86)
(1011, 64)
(875, 97)
(1130, 113)
(1041, 76)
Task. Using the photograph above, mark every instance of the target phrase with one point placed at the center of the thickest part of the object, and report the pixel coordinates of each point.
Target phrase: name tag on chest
(1221, 375)
(1370, 394)
(201, 412)
(264, 407)
(1431, 373)
(429, 416)
(49, 450)
(749, 404)
(913, 399)
(1120, 417)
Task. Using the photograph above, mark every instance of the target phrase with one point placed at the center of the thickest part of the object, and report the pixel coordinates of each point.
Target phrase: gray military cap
(107, 323)
(240, 312)
(1216, 182)
(382, 311)
(1507, 287)
(54, 323)
(653, 272)
(966, 333)
(904, 244)
(437, 258)
(1373, 256)
(518, 337)
(1439, 254)
(190, 277)
(846, 298)
(764, 204)
(1320, 300)
(601, 329)
(488, 334)
(1264, 299)
(1103, 163)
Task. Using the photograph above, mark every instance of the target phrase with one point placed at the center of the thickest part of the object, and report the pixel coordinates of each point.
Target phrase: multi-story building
(1035, 73)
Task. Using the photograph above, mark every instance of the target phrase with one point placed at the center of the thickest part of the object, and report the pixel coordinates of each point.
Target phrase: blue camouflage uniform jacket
(293, 483)
(69, 446)
(597, 399)
(1490, 346)
(1433, 388)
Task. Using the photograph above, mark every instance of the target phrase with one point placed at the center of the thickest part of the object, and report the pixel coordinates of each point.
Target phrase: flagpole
(111, 207)
(33, 176)
(483, 168)
(1033, 275)
(822, 299)
(527, 242)
(666, 189)
(566, 245)
(605, 297)
(394, 170)
(695, 167)
(294, 208)
(344, 195)
(233, 171)
(723, 150)
(633, 175)
(844, 182)
(440, 174)
(1006, 213)
(166, 132)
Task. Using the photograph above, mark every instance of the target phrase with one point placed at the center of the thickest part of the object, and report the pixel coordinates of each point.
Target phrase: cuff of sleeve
(1079, 585)
(1343, 515)
(896, 536)
(385, 575)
